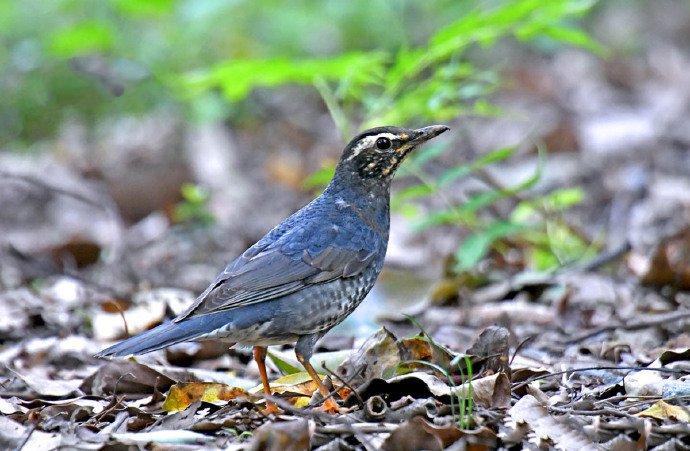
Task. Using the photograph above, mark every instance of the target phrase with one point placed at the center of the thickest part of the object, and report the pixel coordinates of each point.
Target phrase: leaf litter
(594, 356)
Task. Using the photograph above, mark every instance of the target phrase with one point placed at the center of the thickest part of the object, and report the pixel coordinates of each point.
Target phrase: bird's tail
(162, 336)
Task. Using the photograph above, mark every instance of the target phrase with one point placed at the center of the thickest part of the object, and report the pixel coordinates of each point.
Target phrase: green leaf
(238, 77)
(475, 247)
(409, 211)
(194, 193)
(459, 172)
(138, 8)
(565, 198)
(87, 37)
(494, 156)
(454, 174)
(282, 365)
(575, 37)
(422, 156)
(319, 178)
(413, 192)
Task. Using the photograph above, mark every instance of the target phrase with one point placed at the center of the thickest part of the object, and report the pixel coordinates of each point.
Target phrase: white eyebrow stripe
(368, 141)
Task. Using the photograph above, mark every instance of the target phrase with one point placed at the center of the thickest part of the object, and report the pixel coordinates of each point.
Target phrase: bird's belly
(329, 304)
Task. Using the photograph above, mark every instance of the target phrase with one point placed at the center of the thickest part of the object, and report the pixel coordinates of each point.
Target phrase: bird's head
(377, 153)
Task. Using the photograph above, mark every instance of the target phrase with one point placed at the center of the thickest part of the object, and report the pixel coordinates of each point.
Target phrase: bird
(308, 273)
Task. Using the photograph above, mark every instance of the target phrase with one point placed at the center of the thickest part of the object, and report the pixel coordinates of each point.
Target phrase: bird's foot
(271, 408)
(332, 407)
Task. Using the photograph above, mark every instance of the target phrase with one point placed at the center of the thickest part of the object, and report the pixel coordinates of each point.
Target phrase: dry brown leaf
(125, 377)
(41, 382)
(13, 434)
(621, 443)
(111, 326)
(182, 395)
(423, 349)
(492, 344)
(283, 436)
(300, 386)
(378, 355)
(661, 410)
(417, 348)
(563, 433)
(412, 435)
(667, 264)
(487, 392)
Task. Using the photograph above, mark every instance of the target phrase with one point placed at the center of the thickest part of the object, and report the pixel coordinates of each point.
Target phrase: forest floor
(595, 355)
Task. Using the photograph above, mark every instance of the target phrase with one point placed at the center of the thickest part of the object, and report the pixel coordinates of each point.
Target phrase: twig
(604, 411)
(32, 428)
(519, 346)
(594, 368)
(367, 428)
(49, 188)
(655, 320)
(490, 180)
(122, 315)
(345, 383)
(678, 428)
(605, 258)
(304, 412)
(113, 404)
(614, 399)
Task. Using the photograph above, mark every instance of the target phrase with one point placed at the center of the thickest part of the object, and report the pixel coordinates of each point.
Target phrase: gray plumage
(309, 272)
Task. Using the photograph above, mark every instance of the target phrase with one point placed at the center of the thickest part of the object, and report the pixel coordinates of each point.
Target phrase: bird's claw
(271, 408)
(330, 406)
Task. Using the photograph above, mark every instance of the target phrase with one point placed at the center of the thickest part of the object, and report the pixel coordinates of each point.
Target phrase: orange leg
(329, 404)
(260, 358)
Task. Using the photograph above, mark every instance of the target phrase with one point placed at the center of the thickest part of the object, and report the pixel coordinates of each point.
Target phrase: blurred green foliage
(374, 62)
(434, 81)
(72, 58)
(193, 209)
(535, 226)
(378, 61)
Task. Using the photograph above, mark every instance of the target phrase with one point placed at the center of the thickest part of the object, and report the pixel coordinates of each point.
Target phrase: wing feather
(276, 267)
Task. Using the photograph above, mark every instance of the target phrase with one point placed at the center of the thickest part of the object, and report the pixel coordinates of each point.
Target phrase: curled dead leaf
(378, 355)
(661, 410)
(563, 432)
(182, 395)
(125, 377)
(284, 436)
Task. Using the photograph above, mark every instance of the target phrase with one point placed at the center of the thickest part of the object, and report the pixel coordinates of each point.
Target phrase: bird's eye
(383, 143)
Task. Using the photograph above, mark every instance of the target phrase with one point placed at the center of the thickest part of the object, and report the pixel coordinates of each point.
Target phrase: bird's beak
(421, 136)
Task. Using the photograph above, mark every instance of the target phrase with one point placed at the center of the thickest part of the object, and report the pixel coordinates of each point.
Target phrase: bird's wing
(274, 267)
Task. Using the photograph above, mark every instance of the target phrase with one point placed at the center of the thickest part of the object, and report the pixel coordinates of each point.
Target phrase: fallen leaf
(299, 387)
(378, 355)
(287, 362)
(111, 326)
(672, 355)
(180, 396)
(644, 383)
(661, 410)
(283, 436)
(173, 437)
(202, 375)
(44, 384)
(77, 251)
(492, 344)
(562, 431)
(284, 366)
(125, 377)
(412, 435)
(422, 348)
(487, 392)
(13, 434)
(417, 348)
